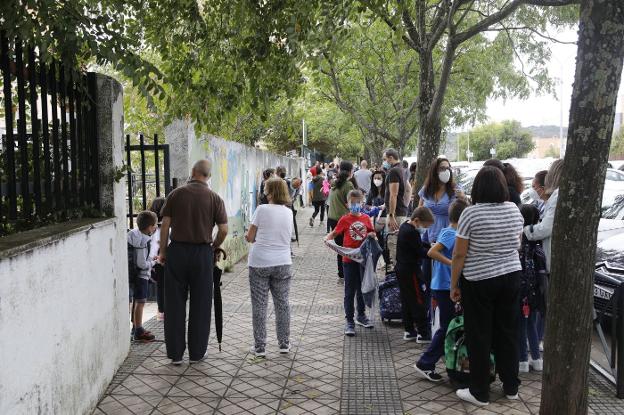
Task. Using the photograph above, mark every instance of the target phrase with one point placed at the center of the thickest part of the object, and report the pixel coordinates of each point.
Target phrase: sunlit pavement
(325, 373)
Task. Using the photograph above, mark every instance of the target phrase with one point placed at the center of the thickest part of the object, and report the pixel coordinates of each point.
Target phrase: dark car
(609, 273)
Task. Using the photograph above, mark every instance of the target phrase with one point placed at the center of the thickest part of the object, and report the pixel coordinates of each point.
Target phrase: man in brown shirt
(190, 213)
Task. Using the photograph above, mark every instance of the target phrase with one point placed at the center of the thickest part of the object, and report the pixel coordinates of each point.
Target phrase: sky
(546, 109)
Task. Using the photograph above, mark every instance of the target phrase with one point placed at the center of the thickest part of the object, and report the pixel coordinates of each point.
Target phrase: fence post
(180, 135)
(110, 138)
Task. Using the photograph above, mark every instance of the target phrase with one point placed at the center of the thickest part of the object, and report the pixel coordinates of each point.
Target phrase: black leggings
(414, 301)
(331, 225)
(159, 270)
(319, 207)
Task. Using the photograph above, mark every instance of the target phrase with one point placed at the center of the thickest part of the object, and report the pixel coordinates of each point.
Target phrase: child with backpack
(441, 253)
(410, 252)
(532, 295)
(354, 227)
(139, 270)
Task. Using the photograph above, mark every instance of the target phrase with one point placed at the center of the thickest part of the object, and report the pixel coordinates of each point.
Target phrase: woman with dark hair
(338, 206)
(437, 194)
(266, 175)
(376, 198)
(486, 257)
(513, 180)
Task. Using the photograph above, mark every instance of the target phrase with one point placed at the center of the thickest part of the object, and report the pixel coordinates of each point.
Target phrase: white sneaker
(537, 365)
(513, 397)
(465, 395)
(542, 346)
(523, 367)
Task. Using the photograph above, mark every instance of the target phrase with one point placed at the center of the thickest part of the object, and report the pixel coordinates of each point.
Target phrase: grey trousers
(392, 238)
(277, 280)
(188, 270)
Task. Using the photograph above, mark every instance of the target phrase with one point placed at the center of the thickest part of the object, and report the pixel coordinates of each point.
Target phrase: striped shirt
(493, 231)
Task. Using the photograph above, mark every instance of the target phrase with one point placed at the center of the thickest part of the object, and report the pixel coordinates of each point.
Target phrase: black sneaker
(311, 222)
(430, 375)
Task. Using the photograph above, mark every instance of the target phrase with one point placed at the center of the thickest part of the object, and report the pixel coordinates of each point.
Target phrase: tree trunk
(429, 130)
(568, 333)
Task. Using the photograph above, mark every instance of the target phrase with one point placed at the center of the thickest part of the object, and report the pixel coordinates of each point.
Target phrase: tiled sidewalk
(324, 373)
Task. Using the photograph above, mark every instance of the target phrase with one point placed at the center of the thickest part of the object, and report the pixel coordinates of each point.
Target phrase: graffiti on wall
(237, 172)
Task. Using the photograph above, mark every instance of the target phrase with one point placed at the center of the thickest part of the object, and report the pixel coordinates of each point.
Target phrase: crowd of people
(485, 255)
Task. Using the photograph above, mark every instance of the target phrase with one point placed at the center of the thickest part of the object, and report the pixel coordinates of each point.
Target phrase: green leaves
(507, 138)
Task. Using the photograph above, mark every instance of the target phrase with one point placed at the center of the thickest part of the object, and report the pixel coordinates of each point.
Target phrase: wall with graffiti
(236, 175)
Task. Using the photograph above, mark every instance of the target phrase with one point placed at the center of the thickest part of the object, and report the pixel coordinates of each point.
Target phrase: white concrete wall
(63, 322)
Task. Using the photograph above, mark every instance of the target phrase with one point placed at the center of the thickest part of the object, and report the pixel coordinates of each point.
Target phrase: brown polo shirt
(194, 210)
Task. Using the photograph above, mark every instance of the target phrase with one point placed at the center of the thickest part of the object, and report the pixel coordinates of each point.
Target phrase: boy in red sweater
(355, 227)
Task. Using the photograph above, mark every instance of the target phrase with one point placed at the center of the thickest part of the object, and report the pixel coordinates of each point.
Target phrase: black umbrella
(218, 301)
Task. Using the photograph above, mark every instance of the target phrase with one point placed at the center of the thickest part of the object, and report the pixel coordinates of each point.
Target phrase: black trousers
(491, 321)
(188, 270)
(159, 270)
(319, 207)
(413, 299)
(331, 225)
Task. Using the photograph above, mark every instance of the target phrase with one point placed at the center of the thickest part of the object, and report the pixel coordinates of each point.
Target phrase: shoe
(322, 223)
(523, 367)
(409, 335)
(541, 346)
(311, 222)
(429, 374)
(465, 395)
(144, 336)
(349, 329)
(364, 322)
(423, 339)
(537, 365)
(513, 397)
(176, 362)
(193, 361)
(258, 351)
(284, 348)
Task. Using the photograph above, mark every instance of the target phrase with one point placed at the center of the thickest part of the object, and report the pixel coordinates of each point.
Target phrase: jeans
(331, 225)
(491, 321)
(353, 290)
(436, 349)
(528, 331)
(319, 207)
(414, 301)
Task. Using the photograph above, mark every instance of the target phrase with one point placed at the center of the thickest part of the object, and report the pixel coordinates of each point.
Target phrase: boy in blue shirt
(441, 253)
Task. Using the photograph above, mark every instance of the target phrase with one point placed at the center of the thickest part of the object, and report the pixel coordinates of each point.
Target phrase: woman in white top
(543, 230)
(486, 255)
(270, 264)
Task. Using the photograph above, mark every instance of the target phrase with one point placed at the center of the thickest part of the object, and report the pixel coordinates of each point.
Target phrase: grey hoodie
(140, 241)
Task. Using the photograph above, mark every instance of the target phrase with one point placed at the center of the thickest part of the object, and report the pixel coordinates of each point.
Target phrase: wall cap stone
(22, 242)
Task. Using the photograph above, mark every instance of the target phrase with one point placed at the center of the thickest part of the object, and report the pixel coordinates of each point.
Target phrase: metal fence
(49, 154)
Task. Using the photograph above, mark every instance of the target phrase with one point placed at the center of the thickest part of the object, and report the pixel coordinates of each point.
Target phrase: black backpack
(534, 280)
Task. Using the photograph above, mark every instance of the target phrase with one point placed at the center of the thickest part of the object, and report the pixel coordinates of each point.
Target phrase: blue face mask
(386, 165)
(355, 208)
(421, 231)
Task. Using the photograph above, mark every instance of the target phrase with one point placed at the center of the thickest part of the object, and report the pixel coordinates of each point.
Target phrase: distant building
(545, 147)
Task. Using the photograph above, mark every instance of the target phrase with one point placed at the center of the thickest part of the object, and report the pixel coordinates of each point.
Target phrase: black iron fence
(148, 174)
(49, 153)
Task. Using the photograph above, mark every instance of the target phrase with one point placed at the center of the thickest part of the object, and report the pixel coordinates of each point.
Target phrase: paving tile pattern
(323, 374)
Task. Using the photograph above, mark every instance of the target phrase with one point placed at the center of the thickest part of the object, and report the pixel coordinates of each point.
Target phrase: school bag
(390, 306)
(133, 269)
(456, 355)
(534, 278)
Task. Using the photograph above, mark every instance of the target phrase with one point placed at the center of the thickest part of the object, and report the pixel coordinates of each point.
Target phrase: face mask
(444, 176)
(421, 231)
(355, 208)
(534, 195)
(378, 182)
(386, 165)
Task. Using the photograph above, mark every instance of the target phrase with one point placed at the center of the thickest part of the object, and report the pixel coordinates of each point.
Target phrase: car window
(615, 175)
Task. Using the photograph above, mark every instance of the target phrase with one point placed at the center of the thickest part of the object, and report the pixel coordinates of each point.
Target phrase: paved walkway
(324, 373)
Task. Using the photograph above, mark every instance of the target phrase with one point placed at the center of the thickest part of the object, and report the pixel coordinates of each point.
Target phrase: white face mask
(444, 176)
(534, 195)
(378, 182)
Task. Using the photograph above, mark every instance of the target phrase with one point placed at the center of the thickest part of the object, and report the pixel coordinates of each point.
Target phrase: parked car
(616, 164)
